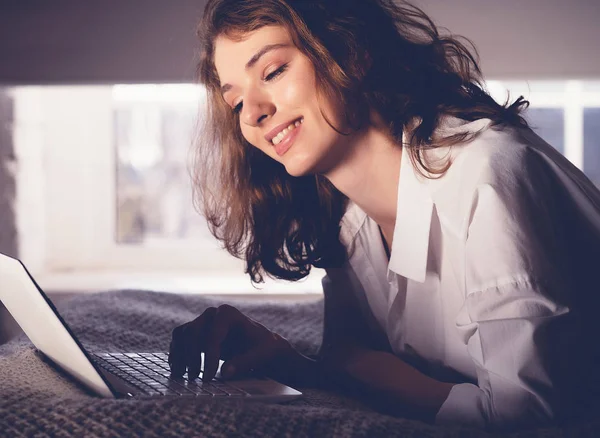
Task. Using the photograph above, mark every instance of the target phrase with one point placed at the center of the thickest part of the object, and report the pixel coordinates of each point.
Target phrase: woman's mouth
(283, 141)
(279, 137)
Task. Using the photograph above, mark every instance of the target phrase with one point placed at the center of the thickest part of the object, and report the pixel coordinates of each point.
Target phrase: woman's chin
(296, 172)
(301, 171)
(299, 168)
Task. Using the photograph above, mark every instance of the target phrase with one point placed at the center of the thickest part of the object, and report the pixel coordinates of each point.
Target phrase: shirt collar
(410, 244)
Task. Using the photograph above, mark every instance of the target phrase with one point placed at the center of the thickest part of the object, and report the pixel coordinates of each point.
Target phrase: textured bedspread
(36, 400)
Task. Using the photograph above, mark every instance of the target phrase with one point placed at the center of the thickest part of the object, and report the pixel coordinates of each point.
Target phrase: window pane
(591, 144)
(527, 87)
(548, 123)
(153, 135)
(591, 86)
(530, 90)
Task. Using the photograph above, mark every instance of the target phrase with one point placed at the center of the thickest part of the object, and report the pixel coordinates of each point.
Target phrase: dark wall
(123, 41)
(527, 39)
(97, 41)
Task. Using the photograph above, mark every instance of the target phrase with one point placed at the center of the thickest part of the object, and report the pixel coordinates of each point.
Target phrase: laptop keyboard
(150, 373)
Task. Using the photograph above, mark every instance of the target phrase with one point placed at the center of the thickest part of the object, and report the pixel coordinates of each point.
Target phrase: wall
(154, 40)
(529, 39)
(97, 41)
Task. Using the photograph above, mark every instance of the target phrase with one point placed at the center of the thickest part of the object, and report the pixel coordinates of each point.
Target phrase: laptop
(113, 374)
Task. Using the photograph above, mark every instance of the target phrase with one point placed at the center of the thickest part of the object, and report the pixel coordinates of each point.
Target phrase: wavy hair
(369, 55)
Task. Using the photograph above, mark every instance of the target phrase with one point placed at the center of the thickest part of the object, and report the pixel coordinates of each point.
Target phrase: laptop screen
(41, 322)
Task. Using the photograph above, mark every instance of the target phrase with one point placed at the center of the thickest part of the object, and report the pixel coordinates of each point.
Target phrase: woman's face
(271, 86)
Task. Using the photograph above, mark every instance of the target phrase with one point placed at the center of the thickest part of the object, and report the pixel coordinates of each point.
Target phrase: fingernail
(228, 370)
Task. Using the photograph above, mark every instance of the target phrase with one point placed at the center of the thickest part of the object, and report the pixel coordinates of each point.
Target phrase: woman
(459, 247)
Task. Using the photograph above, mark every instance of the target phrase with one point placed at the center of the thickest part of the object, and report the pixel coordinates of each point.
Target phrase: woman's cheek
(296, 90)
(288, 95)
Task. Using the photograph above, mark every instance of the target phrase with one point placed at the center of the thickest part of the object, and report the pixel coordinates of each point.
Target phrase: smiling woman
(266, 67)
(460, 247)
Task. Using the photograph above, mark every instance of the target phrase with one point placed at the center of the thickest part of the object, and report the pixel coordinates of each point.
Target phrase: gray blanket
(36, 400)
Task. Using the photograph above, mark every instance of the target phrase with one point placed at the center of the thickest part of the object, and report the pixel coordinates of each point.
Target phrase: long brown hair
(368, 54)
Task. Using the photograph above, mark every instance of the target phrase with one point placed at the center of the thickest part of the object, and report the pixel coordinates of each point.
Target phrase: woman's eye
(276, 73)
(238, 108)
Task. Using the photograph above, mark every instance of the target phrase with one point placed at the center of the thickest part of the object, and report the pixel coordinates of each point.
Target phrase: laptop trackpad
(263, 387)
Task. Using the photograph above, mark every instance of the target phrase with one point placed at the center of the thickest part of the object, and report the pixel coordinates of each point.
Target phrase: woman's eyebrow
(269, 47)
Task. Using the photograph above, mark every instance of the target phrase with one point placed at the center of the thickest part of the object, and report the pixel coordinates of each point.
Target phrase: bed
(35, 400)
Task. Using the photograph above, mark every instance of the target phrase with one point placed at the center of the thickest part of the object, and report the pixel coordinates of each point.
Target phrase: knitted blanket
(37, 400)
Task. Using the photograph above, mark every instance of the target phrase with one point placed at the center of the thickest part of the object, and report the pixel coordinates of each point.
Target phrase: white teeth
(277, 139)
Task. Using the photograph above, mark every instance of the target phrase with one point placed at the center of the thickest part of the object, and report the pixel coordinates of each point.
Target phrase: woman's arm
(517, 321)
(343, 327)
(379, 377)
(348, 360)
(388, 382)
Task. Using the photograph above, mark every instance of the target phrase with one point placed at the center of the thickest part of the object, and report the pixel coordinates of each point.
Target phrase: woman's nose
(256, 109)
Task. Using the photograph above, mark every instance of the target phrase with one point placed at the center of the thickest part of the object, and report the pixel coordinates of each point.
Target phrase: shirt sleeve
(516, 320)
(509, 331)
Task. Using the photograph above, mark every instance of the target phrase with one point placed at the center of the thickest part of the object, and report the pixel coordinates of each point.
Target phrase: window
(560, 112)
(103, 170)
(104, 196)
(154, 127)
(591, 143)
(591, 131)
(548, 123)
(86, 186)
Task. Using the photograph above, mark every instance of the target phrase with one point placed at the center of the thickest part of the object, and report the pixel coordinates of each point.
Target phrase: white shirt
(492, 281)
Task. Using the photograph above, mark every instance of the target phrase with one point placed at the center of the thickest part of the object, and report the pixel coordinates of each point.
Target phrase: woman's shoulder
(496, 156)
(498, 152)
(501, 156)
(510, 163)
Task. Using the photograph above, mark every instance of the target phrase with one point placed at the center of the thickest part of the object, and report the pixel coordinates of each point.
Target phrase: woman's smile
(284, 140)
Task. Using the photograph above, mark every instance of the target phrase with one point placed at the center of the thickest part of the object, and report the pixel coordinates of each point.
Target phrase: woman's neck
(368, 175)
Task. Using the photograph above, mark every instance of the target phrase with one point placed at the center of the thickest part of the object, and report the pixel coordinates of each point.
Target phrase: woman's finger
(177, 361)
(195, 335)
(226, 318)
(186, 345)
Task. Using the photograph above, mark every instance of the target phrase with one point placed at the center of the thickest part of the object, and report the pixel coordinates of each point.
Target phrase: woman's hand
(224, 333)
